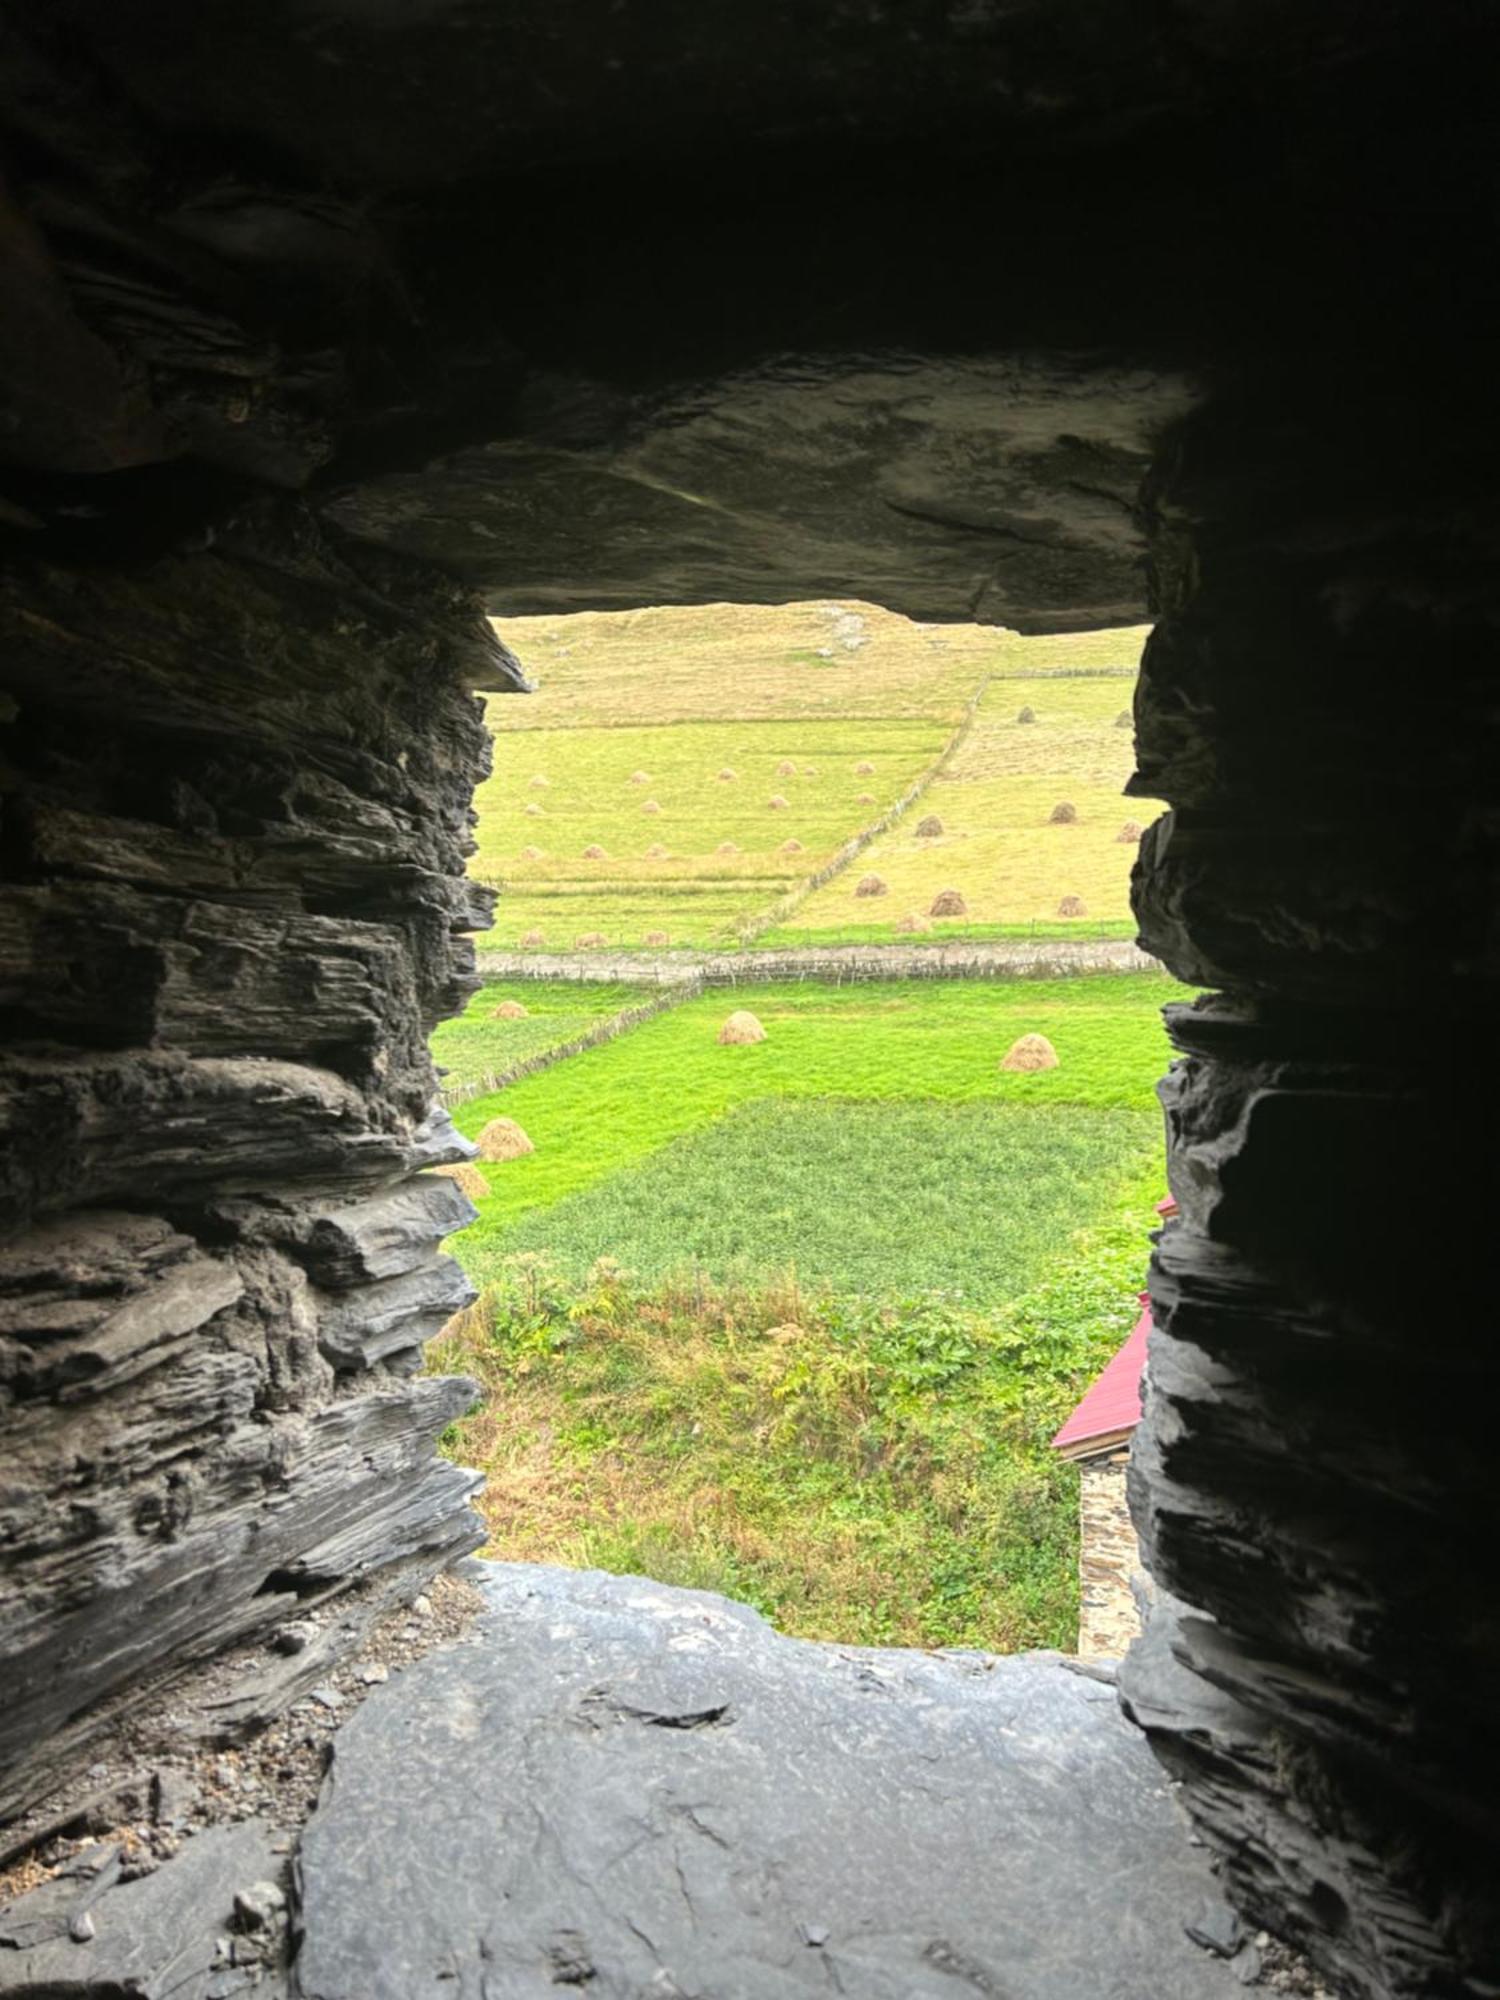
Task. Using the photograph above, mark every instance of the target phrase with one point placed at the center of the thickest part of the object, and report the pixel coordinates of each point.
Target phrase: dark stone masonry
(326, 330)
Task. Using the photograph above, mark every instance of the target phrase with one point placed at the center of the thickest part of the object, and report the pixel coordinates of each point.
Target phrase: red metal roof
(1112, 1408)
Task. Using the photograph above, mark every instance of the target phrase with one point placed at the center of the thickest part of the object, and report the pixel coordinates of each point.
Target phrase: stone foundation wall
(236, 812)
(1109, 1560)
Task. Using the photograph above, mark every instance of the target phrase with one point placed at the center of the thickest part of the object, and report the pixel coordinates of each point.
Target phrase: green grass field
(660, 738)
(477, 1045)
(795, 1319)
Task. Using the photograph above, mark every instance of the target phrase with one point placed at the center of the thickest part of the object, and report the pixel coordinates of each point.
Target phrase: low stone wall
(1054, 958)
(1109, 1561)
(602, 1031)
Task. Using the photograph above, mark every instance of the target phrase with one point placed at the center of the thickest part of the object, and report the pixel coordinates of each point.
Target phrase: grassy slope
(684, 694)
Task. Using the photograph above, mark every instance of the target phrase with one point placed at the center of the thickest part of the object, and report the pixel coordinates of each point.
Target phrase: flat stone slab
(632, 1790)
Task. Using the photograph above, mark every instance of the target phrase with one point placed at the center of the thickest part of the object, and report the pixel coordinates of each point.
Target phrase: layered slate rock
(236, 818)
(627, 1788)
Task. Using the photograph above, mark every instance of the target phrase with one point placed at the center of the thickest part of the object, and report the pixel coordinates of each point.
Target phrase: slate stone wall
(1109, 1560)
(235, 818)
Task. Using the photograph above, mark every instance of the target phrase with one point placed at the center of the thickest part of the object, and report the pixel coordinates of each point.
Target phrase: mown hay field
(607, 817)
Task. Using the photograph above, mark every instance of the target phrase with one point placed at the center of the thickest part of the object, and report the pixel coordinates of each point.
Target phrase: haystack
(532, 854)
(1124, 720)
(594, 852)
(640, 777)
(1030, 1053)
(651, 806)
(539, 783)
(870, 885)
(1130, 832)
(865, 799)
(778, 803)
(656, 938)
(467, 1176)
(929, 827)
(791, 847)
(1072, 906)
(913, 921)
(511, 1010)
(591, 940)
(786, 768)
(533, 810)
(947, 903)
(503, 1139)
(656, 852)
(726, 847)
(728, 776)
(1027, 715)
(533, 939)
(809, 770)
(1062, 814)
(863, 768)
(741, 1027)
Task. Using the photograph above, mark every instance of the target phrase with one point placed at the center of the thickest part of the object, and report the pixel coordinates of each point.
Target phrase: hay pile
(531, 854)
(1130, 832)
(640, 777)
(809, 770)
(1072, 906)
(1062, 814)
(728, 776)
(870, 885)
(1027, 715)
(1032, 1052)
(467, 1176)
(511, 1010)
(594, 852)
(503, 1139)
(913, 921)
(656, 938)
(1124, 720)
(656, 852)
(863, 768)
(865, 799)
(651, 806)
(947, 903)
(726, 847)
(786, 768)
(539, 783)
(791, 847)
(533, 810)
(591, 941)
(930, 827)
(741, 1027)
(534, 938)
(777, 803)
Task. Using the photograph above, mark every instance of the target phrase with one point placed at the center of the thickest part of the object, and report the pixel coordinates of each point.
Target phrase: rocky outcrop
(236, 816)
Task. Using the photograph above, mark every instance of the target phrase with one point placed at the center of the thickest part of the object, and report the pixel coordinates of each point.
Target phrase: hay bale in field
(591, 941)
(912, 922)
(533, 940)
(656, 852)
(865, 799)
(640, 777)
(1130, 832)
(1027, 715)
(532, 854)
(1072, 906)
(532, 809)
(511, 1010)
(947, 903)
(503, 1139)
(726, 847)
(863, 768)
(1062, 814)
(651, 806)
(656, 938)
(729, 776)
(741, 1027)
(1124, 720)
(791, 847)
(870, 885)
(539, 783)
(929, 827)
(594, 852)
(1032, 1052)
(786, 768)
(467, 1176)
(777, 802)
(810, 771)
